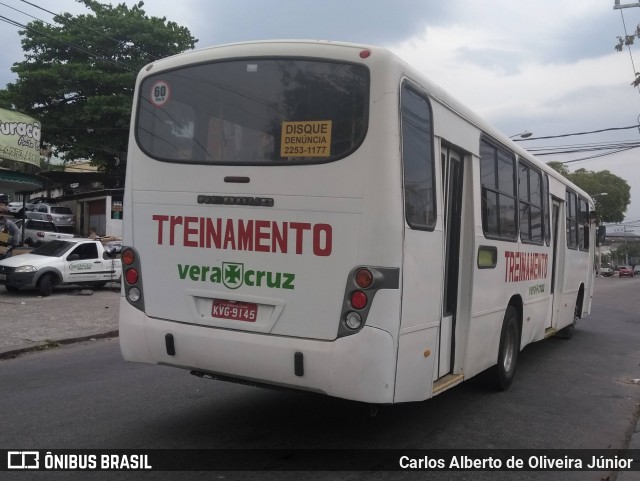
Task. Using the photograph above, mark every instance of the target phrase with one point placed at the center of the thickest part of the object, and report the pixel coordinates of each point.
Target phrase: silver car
(61, 216)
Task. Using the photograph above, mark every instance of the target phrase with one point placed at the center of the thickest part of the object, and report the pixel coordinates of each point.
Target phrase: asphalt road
(567, 394)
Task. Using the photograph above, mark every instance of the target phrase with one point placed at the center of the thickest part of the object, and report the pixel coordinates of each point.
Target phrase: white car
(39, 231)
(606, 270)
(16, 208)
(60, 262)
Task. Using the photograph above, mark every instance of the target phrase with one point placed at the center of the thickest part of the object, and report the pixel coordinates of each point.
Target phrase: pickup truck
(61, 262)
(38, 231)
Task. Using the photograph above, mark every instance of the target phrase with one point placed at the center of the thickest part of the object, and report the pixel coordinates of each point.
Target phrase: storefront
(101, 209)
(19, 154)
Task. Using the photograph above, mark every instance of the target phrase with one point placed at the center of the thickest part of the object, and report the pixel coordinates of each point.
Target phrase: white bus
(320, 216)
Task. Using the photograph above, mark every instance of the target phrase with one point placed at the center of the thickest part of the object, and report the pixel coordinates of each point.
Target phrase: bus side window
(417, 160)
(498, 181)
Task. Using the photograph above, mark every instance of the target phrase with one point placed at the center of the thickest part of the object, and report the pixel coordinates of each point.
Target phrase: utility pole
(595, 202)
(626, 247)
(617, 5)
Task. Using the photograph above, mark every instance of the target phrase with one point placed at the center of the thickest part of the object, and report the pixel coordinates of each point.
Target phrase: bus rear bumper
(360, 367)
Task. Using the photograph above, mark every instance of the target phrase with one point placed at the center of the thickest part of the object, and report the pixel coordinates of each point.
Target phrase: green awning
(19, 182)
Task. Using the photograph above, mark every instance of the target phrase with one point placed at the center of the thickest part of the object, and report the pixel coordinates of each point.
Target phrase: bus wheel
(502, 373)
(567, 332)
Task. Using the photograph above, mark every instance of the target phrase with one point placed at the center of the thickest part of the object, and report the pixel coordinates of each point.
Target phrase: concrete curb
(634, 443)
(53, 343)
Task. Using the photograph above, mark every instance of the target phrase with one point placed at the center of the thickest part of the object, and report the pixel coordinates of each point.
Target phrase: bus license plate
(234, 310)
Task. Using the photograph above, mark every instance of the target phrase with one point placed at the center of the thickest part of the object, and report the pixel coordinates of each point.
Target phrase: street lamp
(595, 202)
(523, 135)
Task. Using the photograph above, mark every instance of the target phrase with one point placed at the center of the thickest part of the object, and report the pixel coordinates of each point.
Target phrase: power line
(68, 44)
(119, 42)
(24, 13)
(579, 133)
(635, 72)
(582, 148)
(597, 156)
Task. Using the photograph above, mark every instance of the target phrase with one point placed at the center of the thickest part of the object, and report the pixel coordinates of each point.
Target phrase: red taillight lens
(131, 276)
(40, 234)
(359, 300)
(364, 278)
(49, 218)
(128, 257)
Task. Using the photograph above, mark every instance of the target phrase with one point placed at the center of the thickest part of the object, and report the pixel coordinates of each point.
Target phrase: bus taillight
(359, 300)
(128, 257)
(131, 275)
(364, 278)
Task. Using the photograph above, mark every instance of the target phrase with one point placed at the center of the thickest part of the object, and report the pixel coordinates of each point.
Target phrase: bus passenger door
(557, 263)
(452, 181)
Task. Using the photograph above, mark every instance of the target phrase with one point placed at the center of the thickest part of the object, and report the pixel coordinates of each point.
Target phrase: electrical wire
(119, 42)
(584, 148)
(637, 126)
(596, 156)
(635, 72)
(24, 13)
(68, 44)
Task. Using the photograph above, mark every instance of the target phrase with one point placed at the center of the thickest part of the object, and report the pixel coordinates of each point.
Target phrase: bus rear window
(254, 111)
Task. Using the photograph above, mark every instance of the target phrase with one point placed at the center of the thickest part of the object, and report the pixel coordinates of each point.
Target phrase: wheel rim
(509, 348)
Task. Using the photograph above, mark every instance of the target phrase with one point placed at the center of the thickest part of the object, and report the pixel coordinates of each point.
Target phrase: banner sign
(514, 460)
(19, 137)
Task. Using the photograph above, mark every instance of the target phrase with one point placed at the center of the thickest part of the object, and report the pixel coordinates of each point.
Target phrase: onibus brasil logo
(234, 274)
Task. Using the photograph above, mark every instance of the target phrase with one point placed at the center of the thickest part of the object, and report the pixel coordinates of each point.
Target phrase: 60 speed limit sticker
(160, 93)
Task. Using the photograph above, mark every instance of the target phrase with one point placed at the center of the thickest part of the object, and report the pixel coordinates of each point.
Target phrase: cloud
(362, 21)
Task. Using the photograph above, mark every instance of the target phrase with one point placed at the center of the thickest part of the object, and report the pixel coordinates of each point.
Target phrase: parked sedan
(625, 271)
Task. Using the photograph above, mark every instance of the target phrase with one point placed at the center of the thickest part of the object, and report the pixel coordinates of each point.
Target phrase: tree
(627, 41)
(560, 168)
(610, 207)
(78, 78)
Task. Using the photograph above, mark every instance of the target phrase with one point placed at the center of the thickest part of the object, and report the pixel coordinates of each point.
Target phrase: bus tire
(45, 285)
(567, 332)
(503, 372)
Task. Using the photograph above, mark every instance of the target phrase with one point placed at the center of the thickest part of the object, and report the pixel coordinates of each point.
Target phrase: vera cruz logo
(234, 274)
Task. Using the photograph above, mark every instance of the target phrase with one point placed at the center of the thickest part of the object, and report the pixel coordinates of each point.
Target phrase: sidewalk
(29, 321)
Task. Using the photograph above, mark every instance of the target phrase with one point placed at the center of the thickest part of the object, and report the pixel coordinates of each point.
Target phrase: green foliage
(627, 41)
(610, 207)
(629, 252)
(78, 78)
(560, 168)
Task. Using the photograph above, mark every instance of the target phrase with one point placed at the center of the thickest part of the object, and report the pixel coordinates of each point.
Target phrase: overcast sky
(545, 66)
